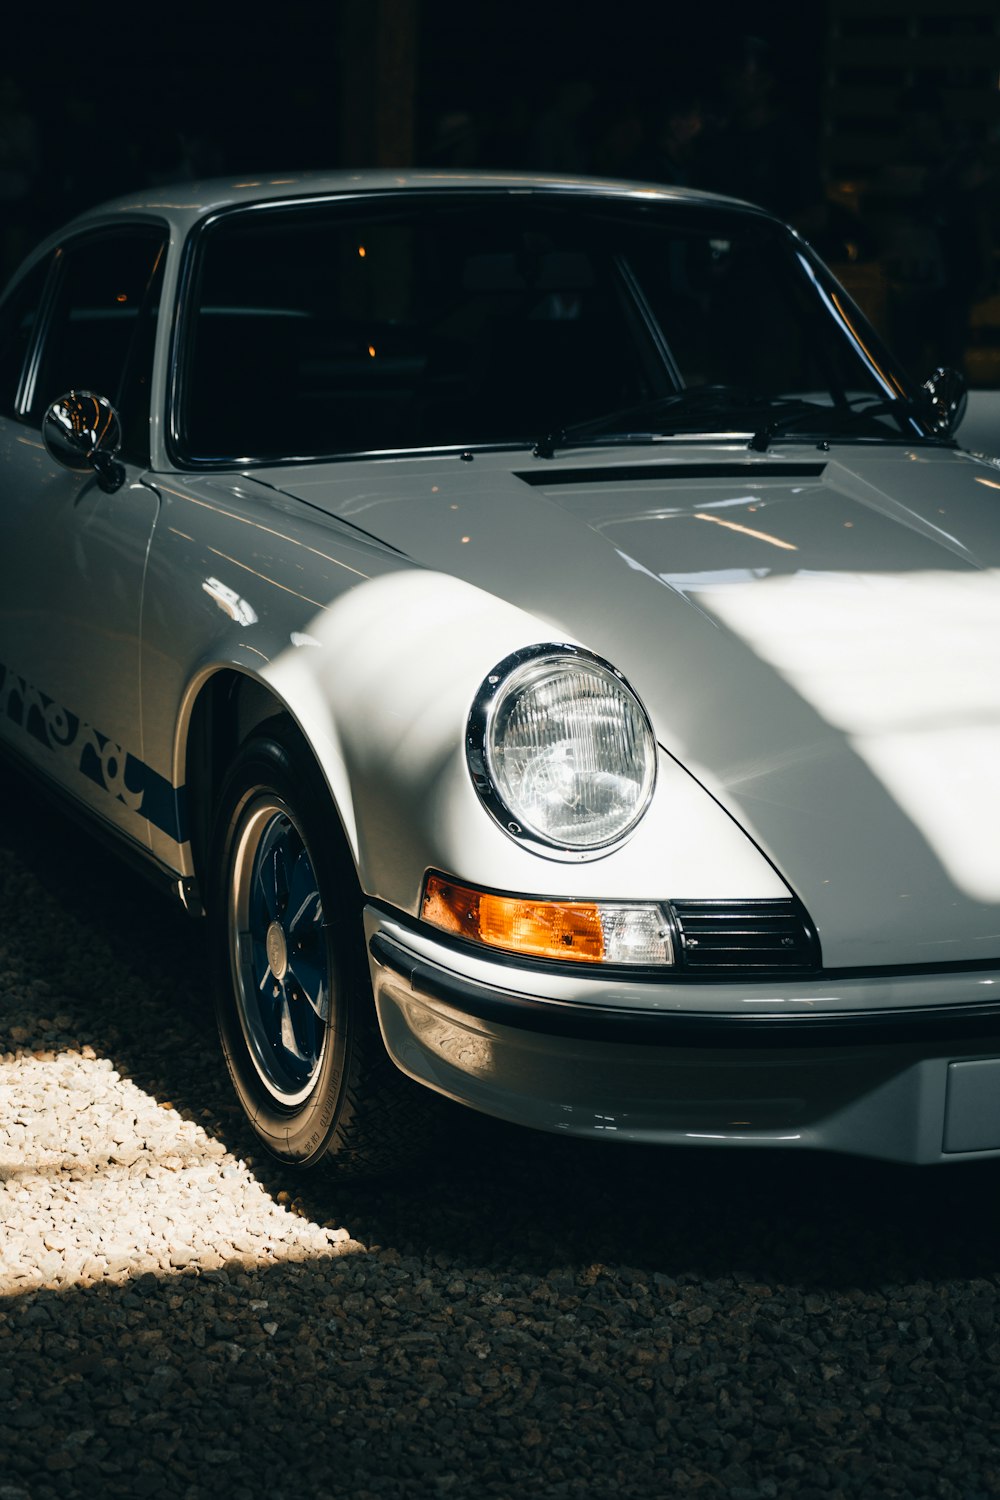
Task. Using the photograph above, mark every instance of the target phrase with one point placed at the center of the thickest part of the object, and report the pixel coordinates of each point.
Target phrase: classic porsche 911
(546, 633)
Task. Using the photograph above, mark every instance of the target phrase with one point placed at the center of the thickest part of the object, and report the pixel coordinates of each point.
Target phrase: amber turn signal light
(577, 931)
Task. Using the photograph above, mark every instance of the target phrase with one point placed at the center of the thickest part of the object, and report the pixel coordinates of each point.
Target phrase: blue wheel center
(284, 983)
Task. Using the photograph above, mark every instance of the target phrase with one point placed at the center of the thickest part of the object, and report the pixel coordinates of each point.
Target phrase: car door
(72, 557)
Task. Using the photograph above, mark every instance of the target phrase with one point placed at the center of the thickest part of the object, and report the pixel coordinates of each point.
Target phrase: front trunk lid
(816, 637)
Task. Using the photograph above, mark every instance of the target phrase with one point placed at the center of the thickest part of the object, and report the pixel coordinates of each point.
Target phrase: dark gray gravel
(526, 1316)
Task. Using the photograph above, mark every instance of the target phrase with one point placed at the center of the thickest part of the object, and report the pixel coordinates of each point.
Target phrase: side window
(18, 316)
(99, 335)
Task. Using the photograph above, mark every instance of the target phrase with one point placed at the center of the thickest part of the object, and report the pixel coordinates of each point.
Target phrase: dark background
(268, 91)
(880, 138)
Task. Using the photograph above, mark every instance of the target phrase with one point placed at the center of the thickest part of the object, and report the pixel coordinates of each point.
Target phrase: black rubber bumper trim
(686, 1028)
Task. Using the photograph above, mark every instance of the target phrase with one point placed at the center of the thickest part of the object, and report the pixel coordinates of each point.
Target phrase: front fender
(378, 662)
(382, 687)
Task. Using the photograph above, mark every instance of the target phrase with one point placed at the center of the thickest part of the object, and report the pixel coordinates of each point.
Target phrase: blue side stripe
(109, 766)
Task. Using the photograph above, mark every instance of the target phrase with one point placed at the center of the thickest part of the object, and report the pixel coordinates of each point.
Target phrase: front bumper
(901, 1067)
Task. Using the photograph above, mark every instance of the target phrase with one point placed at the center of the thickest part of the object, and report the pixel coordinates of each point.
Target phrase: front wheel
(293, 998)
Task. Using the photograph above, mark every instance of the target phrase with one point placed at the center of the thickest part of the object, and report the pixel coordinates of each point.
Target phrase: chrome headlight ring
(561, 751)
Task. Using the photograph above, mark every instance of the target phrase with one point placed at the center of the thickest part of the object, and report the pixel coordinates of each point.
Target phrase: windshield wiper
(735, 403)
(614, 427)
(833, 421)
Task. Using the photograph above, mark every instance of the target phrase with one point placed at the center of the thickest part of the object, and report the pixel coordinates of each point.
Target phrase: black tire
(292, 990)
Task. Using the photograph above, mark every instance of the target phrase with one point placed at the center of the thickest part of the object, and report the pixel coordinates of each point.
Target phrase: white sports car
(546, 633)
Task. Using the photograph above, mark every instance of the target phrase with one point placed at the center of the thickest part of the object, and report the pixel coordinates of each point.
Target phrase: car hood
(816, 637)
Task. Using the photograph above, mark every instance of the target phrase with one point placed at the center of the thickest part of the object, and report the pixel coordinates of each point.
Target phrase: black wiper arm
(693, 399)
(610, 422)
(834, 420)
(565, 437)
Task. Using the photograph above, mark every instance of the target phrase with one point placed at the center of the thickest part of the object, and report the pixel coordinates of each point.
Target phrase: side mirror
(947, 397)
(82, 432)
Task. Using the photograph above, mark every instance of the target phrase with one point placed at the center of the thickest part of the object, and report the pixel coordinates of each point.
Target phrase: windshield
(413, 322)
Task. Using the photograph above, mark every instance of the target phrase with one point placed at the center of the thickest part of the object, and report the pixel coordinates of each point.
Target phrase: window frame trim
(57, 272)
(184, 462)
(870, 353)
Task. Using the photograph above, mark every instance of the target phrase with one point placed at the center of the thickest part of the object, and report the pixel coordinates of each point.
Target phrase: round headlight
(561, 750)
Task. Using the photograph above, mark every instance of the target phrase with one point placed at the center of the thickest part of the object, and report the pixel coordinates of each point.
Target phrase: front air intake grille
(744, 937)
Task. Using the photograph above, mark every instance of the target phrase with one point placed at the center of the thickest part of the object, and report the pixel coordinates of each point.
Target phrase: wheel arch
(223, 708)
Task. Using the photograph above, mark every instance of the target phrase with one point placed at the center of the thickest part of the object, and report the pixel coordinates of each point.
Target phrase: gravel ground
(527, 1316)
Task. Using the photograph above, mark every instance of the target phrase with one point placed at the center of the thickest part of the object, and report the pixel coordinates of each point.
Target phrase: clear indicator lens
(635, 935)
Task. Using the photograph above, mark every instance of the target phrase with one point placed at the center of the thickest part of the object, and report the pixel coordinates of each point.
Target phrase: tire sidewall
(272, 764)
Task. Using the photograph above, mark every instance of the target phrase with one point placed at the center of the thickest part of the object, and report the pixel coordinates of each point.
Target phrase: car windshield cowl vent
(634, 473)
(745, 937)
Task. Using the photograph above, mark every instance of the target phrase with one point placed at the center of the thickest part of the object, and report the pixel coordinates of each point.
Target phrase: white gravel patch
(526, 1316)
(100, 1182)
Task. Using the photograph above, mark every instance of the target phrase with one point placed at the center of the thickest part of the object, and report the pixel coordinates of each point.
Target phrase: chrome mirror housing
(947, 396)
(82, 432)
